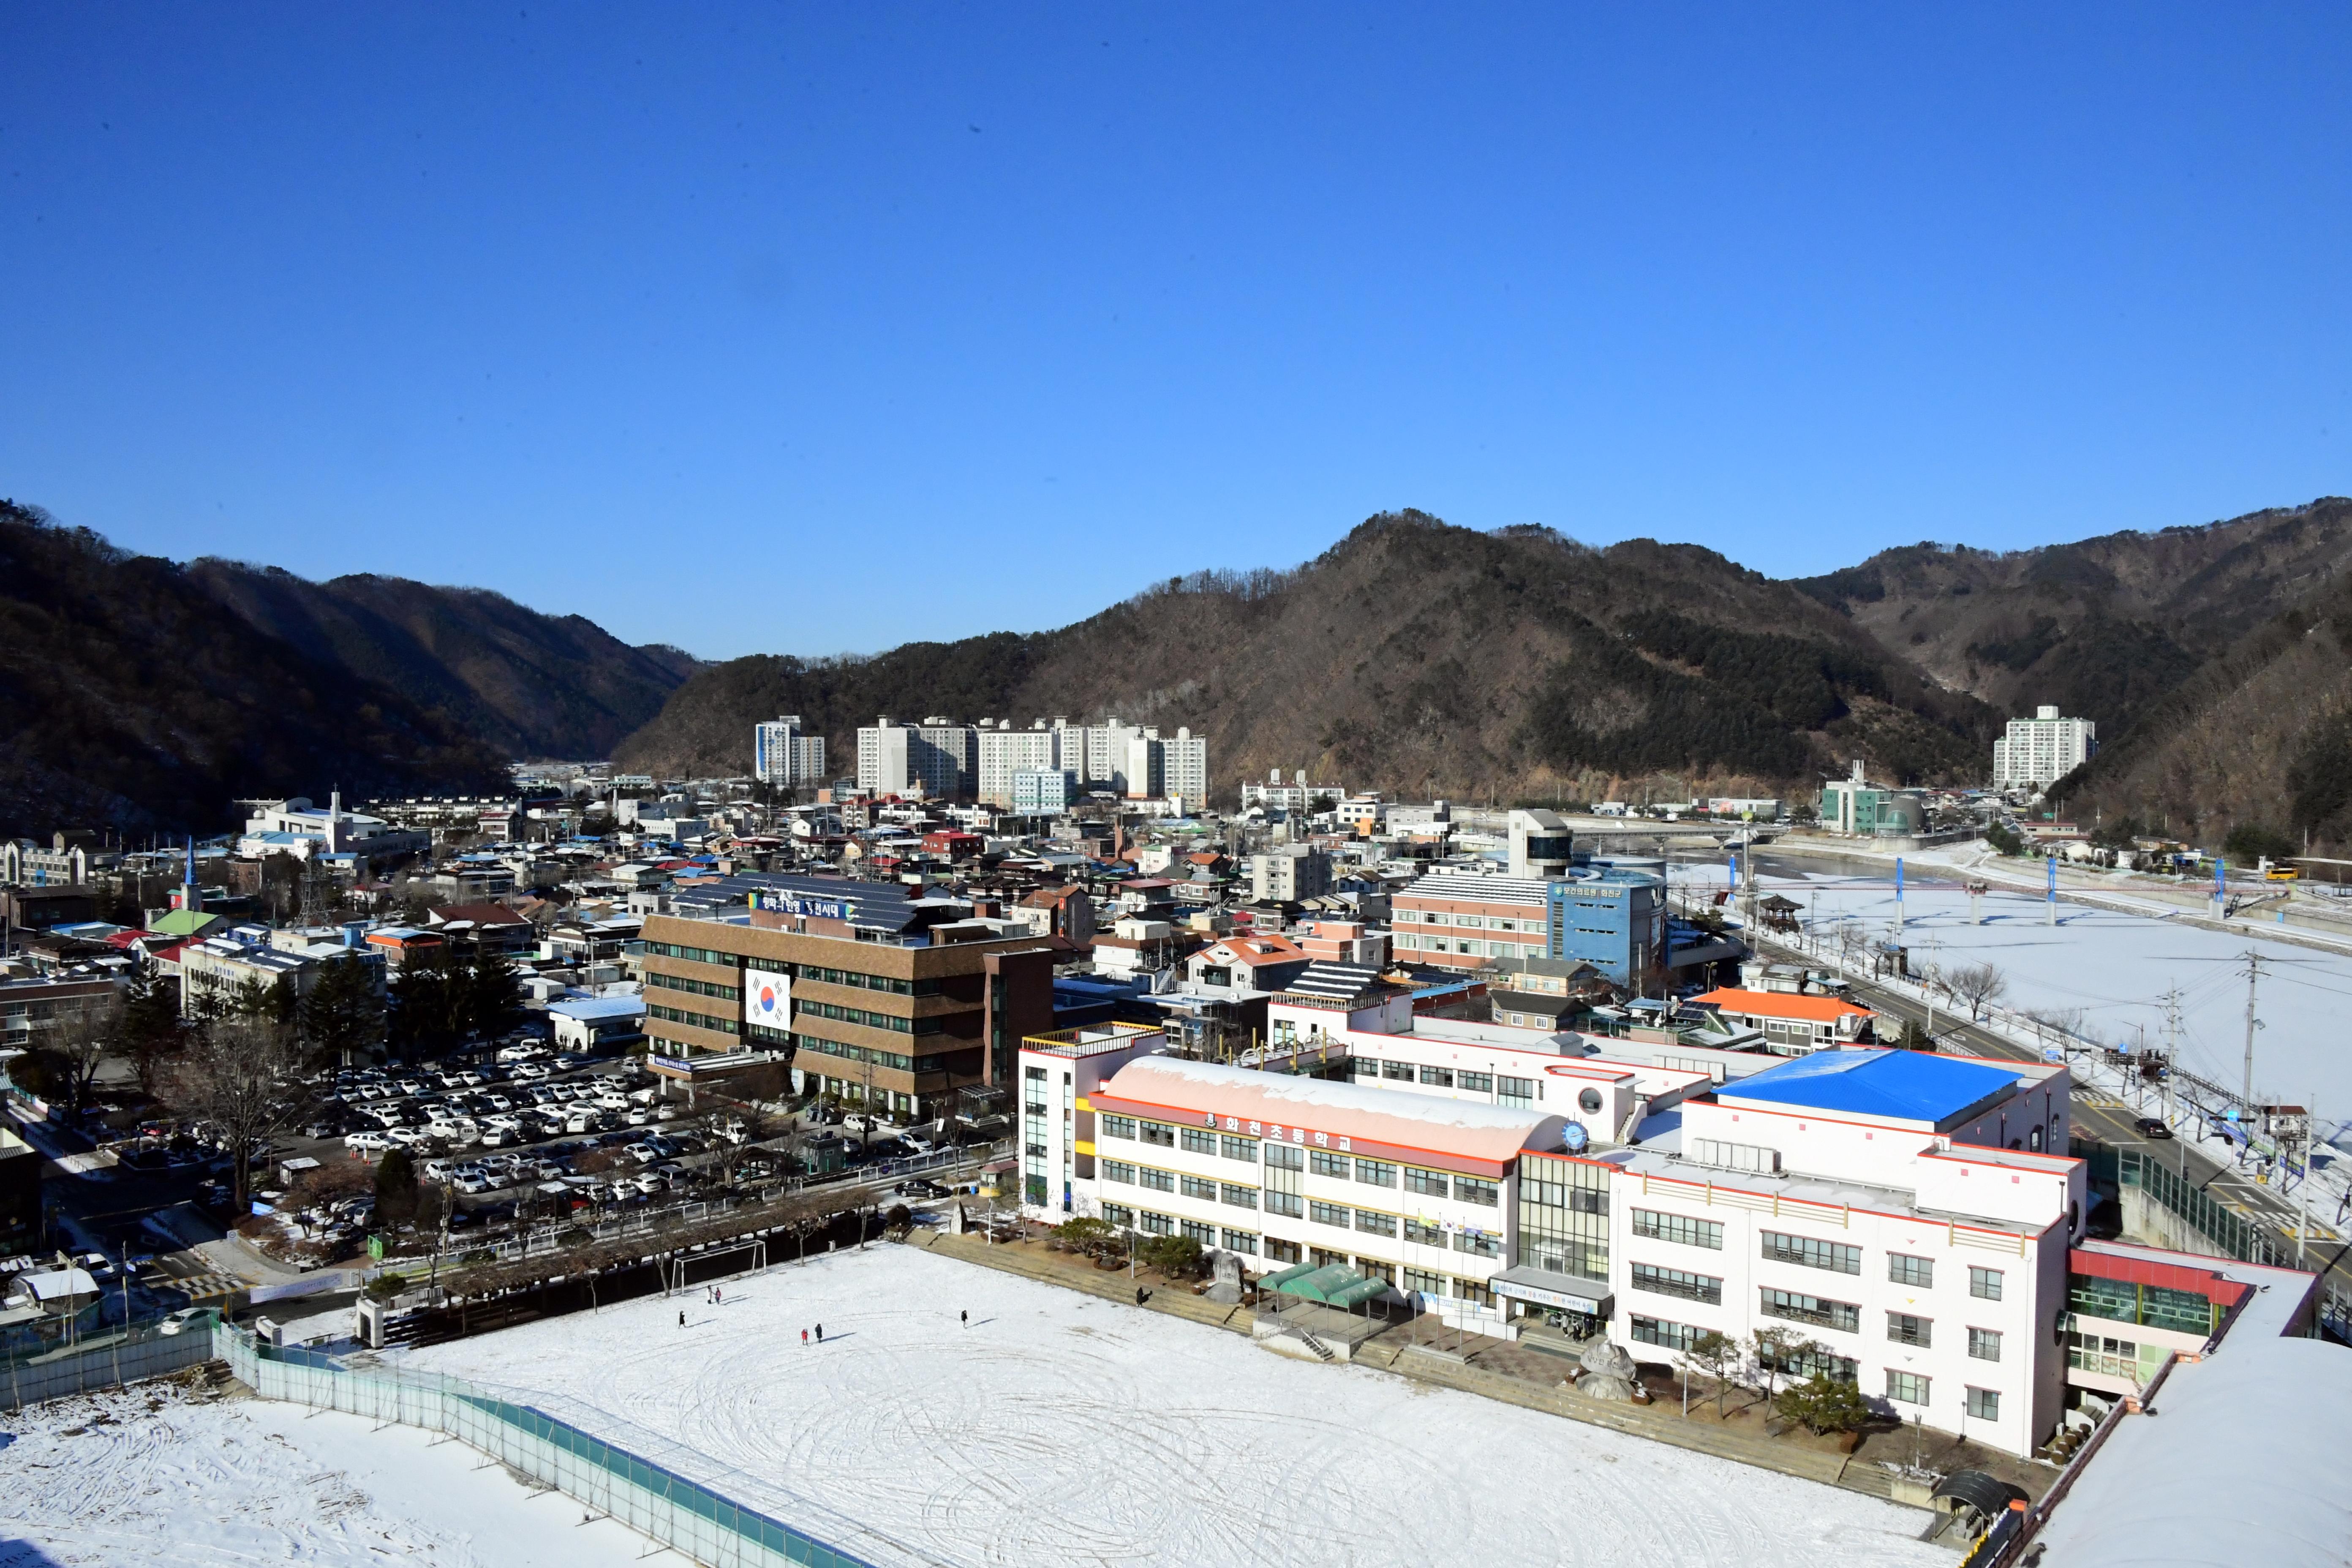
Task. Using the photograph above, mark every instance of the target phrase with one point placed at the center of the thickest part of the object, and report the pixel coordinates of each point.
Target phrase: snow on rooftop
(1323, 1094)
(2241, 1466)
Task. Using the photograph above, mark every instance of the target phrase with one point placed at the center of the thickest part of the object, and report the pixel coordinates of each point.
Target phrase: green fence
(2235, 1235)
(706, 1526)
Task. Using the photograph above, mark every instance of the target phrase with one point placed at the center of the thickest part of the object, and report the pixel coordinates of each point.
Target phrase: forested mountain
(132, 696)
(1412, 655)
(531, 685)
(2103, 627)
(2217, 659)
(1418, 656)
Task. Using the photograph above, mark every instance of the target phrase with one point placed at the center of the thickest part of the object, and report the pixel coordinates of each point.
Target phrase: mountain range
(143, 695)
(1412, 655)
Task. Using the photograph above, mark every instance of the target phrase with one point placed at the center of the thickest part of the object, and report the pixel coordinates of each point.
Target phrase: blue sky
(765, 328)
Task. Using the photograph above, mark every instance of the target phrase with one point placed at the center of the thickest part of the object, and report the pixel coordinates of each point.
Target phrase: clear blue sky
(767, 328)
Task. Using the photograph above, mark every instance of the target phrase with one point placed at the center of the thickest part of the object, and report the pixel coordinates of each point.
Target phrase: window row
(659, 981)
(871, 1020)
(1840, 1257)
(694, 1020)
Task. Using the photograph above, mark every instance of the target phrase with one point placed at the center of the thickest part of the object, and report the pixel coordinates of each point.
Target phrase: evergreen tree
(343, 1018)
(152, 1028)
(493, 994)
(1822, 1404)
(396, 1189)
(421, 1023)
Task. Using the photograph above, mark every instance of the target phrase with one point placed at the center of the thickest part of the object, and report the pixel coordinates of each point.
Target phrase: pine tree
(493, 994)
(152, 1028)
(396, 1189)
(1822, 1404)
(343, 1018)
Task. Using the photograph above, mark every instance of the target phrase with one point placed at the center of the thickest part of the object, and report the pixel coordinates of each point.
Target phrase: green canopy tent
(1332, 1284)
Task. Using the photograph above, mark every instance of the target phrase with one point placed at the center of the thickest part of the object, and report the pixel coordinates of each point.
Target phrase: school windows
(1917, 1272)
(1689, 1232)
(1985, 1284)
(1984, 1404)
(1906, 1387)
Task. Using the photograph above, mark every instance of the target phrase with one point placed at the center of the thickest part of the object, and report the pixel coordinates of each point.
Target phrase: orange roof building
(1790, 1023)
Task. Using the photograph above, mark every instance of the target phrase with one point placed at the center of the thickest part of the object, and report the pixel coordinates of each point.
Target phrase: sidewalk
(1487, 1367)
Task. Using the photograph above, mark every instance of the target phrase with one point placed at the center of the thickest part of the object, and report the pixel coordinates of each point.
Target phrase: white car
(185, 1318)
(438, 1169)
(473, 1186)
(366, 1142)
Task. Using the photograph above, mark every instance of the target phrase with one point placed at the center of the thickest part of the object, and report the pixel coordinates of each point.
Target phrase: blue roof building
(1933, 1091)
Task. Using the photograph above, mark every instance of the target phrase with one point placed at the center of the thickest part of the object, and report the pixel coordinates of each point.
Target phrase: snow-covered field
(1059, 1428)
(141, 1476)
(2113, 969)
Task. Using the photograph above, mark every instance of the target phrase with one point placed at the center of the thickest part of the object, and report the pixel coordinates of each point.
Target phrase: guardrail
(688, 1515)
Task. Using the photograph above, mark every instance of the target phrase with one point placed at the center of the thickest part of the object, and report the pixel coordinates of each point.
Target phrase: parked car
(184, 1320)
(366, 1142)
(2153, 1127)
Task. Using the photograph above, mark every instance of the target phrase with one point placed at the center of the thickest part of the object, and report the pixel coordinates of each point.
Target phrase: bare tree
(1719, 1356)
(1978, 985)
(239, 1077)
(82, 1040)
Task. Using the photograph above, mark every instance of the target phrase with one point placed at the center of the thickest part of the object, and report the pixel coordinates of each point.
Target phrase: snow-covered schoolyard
(143, 1476)
(2109, 970)
(1060, 1428)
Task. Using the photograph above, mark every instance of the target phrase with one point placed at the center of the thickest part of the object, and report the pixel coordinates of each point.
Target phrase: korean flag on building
(767, 999)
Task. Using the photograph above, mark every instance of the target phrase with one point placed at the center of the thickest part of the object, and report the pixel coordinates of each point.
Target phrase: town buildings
(2041, 751)
(1289, 875)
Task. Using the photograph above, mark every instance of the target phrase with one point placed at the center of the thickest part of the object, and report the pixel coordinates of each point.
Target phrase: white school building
(1884, 1205)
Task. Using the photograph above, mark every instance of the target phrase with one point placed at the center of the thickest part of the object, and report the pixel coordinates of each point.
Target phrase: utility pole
(2246, 1100)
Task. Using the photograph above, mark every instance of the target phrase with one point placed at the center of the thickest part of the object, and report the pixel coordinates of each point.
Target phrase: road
(2099, 1117)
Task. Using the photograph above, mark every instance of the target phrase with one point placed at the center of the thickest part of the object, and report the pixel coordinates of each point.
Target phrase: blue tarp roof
(1917, 1086)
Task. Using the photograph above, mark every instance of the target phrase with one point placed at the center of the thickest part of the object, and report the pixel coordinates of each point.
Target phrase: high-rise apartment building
(2042, 750)
(1004, 753)
(938, 756)
(782, 752)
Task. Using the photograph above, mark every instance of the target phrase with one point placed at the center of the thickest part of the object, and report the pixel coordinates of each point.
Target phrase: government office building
(865, 990)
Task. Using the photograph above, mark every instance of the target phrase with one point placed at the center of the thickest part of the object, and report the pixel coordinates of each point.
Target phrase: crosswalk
(2098, 1101)
(204, 1286)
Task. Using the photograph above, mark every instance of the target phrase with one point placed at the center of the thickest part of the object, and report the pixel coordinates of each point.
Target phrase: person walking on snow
(681, 1320)
(820, 1333)
(966, 1316)
(803, 1339)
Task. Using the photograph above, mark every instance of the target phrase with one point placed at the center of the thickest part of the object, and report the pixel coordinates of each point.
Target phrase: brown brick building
(913, 1024)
